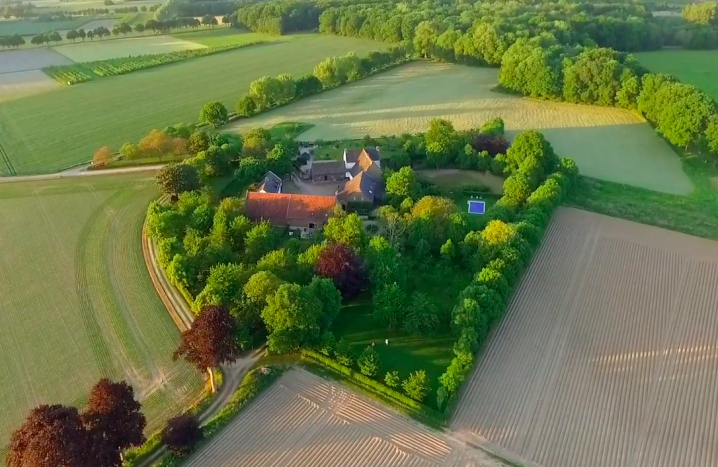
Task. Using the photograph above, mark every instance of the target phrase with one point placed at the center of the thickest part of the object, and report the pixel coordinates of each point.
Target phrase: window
(312, 225)
(326, 178)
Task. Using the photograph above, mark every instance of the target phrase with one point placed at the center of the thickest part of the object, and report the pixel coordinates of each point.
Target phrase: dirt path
(79, 172)
(182, 315)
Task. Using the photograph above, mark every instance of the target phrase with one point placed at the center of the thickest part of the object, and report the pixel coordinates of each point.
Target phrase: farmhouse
(305, 213)
(328, 171)
(352, 156)
(361, 189)
(271, 183)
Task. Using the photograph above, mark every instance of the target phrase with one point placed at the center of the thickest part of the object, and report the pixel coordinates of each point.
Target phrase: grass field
(77, 301)
(45, 133)
(696, 67)
(89, 51)
(610, 144)
(227, 36)
(12, 61)
(24, 28)
(607, 354)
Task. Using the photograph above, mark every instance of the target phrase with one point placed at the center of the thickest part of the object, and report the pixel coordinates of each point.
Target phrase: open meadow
(696, 67)
(25, 83)
(607, 143)
(12, 61)
(305, 421)
(77, 302)
(607, 355)
(88, 51)
(45, 133)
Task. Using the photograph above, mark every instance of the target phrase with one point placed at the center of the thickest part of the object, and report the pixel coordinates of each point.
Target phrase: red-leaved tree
(114, 421)
(339, 263)
(492, 144)
(211, 341)
(181, 434)
(51, 436)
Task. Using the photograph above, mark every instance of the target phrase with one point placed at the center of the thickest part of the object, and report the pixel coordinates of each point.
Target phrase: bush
(416, 385)
(493, 127)
(368, 362)
(181, 434)
(246, 107)
(343, 353)
(392, 379)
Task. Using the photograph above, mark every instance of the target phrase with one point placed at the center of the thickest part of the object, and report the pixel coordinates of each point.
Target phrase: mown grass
(222, 36)
(46, 133)
(72, 261)
(696, 67)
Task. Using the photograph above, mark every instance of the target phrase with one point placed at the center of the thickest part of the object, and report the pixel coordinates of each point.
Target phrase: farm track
(6, 160)
(607, 356)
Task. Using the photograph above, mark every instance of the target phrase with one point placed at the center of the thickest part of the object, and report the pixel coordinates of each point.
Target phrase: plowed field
(305, 421)
(76, 300)
(610, 144)
(608, 356)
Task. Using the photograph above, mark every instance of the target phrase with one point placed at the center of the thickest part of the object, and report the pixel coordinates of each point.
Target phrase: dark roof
(365, 164)
(364, 185)
(282, 208)
(271, 183)
(352, 155)
(328, 167)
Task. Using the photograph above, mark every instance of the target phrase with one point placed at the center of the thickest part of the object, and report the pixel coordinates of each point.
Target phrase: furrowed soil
(77, 302)
(610, 144)
(607, 356)
(46, 133)
(305, 421)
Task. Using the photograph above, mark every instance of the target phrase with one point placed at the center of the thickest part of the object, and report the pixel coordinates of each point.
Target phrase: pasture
(696, 67)
(607, 355)
(227, 36)
(607, 143)
(28, 27)
(303, 420)
(46, 133)
(89, 51)
(25, 83)
(77, 302)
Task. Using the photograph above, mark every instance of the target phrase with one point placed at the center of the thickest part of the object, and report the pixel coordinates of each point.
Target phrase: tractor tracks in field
(6, 160)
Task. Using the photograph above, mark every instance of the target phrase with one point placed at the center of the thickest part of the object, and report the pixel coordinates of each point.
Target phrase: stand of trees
(59, 435)
(282, 17)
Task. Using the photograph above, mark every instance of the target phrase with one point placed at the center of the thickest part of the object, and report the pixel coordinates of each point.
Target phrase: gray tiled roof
(328, 167)
(271, 183)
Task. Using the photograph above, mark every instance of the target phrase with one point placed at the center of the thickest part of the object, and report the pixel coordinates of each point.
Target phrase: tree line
(622, 26)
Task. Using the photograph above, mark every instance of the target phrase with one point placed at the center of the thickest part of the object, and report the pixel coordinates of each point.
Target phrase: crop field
(102, 50)
(610, 144)
(48, 132)
(228, 36)
(305, 421)
(22, 27)
(607, 356)
(25, 83)
(12, 61)
(696, 67)
(77, 302)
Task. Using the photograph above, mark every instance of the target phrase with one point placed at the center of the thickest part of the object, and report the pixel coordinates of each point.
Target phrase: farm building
(352, 156)
(271, 183)
(305, 213)
(361, 189)
(328, 171)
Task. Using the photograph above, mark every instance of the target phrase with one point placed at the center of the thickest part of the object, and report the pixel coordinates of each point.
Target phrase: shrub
(368, 362)
(102, 156)
(343, 353)
(246, 107)
(493, 145)
(493, 127)
(416, 385)
(392, 379)
(181, 434)
(327, 343)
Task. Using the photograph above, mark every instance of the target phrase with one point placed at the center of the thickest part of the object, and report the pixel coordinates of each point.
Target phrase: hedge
(382, 390)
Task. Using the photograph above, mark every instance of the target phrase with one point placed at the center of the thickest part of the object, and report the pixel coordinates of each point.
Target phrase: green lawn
(77, 301)
(696, 67)
(228, 36)
(405, 352)
(46, 133)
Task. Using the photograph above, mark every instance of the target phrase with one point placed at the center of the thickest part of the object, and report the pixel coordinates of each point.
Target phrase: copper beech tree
(181, 434)
(211, 341)
(60, 436)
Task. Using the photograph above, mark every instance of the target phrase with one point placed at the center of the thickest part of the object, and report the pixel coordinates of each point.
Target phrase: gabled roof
(328, 167)
(282, 208)
(271, 183)
(352, 155)
(365, 164)
(363, 184)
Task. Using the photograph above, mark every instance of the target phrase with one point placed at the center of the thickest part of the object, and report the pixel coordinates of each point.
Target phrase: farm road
(182, 315)
(78, 172)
